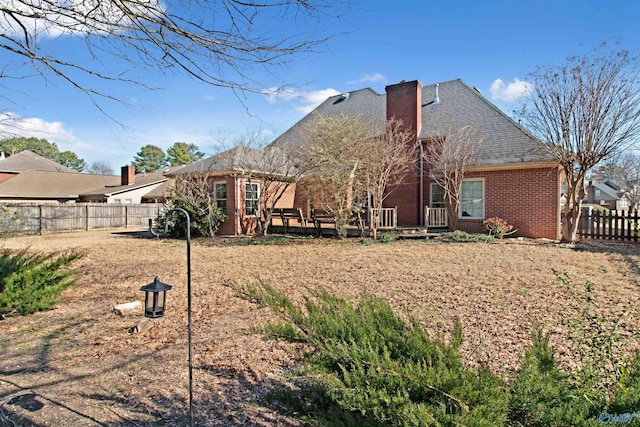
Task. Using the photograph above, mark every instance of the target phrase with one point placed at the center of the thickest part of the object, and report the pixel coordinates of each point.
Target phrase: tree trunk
(264, 225)
(375, 218)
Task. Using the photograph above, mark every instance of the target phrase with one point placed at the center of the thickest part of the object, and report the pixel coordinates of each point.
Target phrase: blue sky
(489, 44)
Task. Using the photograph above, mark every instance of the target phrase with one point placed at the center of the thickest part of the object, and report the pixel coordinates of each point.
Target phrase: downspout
(421, 184)
(238, 211)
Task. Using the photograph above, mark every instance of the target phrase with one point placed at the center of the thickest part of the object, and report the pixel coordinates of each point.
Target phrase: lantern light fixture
(155, 298)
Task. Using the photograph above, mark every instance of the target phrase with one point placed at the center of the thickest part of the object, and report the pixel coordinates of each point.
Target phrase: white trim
(460, 216)
(257, 199)
(215, 193)
(431, 185)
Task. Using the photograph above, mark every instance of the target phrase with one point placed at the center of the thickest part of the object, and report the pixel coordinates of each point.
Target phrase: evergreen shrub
(33, 282)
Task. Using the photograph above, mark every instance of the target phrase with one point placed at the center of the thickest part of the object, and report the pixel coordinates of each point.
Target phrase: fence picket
(612, 225)
(56, 218)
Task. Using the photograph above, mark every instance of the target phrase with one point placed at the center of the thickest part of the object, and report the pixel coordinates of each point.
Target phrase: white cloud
(511, 92)
(369, 78)
(12, 124)
(306, 100)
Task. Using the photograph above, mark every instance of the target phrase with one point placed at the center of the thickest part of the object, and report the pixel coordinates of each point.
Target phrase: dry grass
(77, 365)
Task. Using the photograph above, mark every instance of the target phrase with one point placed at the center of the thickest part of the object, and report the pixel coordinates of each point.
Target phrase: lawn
(77, 365)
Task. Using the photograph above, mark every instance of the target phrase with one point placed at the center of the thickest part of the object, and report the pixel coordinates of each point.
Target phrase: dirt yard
(77, 365)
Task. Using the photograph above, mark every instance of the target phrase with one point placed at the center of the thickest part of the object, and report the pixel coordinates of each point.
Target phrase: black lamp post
(157, 300)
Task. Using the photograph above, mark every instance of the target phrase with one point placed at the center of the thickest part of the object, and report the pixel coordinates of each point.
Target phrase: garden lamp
(155, 298)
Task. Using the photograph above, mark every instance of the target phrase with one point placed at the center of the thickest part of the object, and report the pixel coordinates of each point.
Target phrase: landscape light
(155, 298)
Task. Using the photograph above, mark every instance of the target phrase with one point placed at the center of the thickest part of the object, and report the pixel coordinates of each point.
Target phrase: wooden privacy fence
(612, 225)
(54, 218)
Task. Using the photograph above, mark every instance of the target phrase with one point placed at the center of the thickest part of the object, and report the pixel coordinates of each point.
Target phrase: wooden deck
(292, 221)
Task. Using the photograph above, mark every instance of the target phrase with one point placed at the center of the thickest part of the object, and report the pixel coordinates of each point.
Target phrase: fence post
(40, 219)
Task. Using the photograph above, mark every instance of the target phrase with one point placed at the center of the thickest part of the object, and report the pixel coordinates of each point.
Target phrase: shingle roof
(504, 140)
(140, 180)
(34, 184)
(366, 104)
(240, 159)
(26, 160)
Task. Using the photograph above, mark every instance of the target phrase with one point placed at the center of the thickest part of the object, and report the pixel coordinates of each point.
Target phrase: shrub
(463, 236)
(497, 227)
(375, 368)
(387, 237)
(541, 395)
(33, 282)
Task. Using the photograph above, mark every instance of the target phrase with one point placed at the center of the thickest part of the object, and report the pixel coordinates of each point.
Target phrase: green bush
(33, 282)
(366, 367)
(377, 369)
(205, 219)
(387, 237)
(541, 395)
(463, 236)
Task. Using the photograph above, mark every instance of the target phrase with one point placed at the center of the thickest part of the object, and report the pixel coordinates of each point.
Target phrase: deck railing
(388, 217)
(435, 217)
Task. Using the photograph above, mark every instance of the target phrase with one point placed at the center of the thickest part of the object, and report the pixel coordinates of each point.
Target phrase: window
(472, 199)
(220, 194)
(252, 194)
(597, 193)
(438, 199)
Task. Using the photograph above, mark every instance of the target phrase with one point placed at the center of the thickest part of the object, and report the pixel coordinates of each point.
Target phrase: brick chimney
(127, 175)
(404, 102)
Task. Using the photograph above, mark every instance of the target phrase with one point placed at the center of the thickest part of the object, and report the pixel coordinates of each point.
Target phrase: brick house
(512, 176)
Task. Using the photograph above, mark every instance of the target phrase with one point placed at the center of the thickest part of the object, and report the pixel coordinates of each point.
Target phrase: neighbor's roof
(34, 184)
(26, 160)
(140, 180)
(503, 140)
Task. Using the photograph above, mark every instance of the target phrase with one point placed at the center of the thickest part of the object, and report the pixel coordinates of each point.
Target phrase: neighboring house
(512, 177)
(131, 188)
(36, 186)
(233, 177)
(608, 195)
(26, 160)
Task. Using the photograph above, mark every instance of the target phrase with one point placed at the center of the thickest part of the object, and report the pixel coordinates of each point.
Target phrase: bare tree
(449, 157)
(193, 193)
(583, 111)
(274, 168)
(386, 162)
(99, 167)
(219, 42)
(333, 156)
